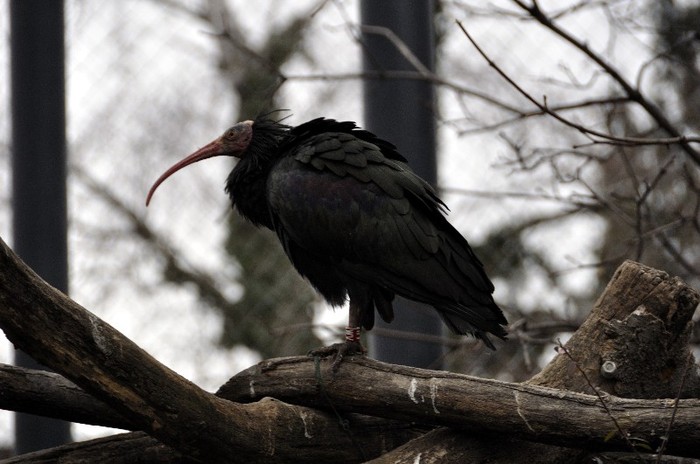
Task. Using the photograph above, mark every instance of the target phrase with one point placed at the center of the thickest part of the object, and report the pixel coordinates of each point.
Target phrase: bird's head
(233, 142)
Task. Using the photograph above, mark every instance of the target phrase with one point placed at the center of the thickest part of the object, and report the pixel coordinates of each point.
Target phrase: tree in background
(601, 139)
(563, 207)
(275, 297)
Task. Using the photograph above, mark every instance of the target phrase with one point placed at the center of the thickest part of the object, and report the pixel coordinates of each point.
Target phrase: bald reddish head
(233, 142)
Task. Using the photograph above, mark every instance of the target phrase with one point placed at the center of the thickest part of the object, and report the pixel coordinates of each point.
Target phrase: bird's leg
(350, 346)
(353, 331)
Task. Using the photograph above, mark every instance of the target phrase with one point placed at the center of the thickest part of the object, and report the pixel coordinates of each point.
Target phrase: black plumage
(355, 220)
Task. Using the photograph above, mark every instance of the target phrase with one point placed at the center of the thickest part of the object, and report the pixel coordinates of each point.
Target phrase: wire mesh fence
(549, 202)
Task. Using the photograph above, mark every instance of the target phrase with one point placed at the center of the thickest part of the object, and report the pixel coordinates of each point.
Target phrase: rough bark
(107, 366)
(642, 320)
(446, 445)
(469, 403)
(124, 448)
(631, 458)
(62, 335)
(52, 395)
(377, 436)
(642, 323)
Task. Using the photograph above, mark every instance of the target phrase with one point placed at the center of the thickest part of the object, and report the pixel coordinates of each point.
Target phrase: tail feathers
(382, 301)
(478, 322)
(485, 338)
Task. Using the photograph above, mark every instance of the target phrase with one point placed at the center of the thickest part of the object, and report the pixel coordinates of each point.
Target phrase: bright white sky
(144, 90)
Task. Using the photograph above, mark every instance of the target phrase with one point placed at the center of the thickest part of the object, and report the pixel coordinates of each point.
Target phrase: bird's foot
(339, 351)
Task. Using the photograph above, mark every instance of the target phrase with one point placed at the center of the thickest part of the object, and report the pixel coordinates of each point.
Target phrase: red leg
(350, 346)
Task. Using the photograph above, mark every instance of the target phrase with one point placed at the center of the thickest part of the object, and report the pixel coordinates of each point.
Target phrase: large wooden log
(62, 335)
(123, 448)
(469, 403)
(634, 343)
(636, 335)
(636, 294)
(49, 394)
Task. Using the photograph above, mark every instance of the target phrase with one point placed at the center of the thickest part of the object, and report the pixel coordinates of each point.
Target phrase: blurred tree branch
(602, 137)
(633, 93)
(174, 270)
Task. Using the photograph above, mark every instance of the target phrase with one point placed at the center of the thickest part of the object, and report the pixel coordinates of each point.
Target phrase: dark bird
(356, 221)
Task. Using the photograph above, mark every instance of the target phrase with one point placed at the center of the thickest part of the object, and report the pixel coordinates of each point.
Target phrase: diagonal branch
(177, 270)
(633, 93)
(531, 412)
(62, 335)
(683, 140)
(50, 395)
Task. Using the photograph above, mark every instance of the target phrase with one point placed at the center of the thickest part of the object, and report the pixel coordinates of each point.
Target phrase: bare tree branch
(683, 140)
(36, 318)
(633, 93)
(60, 334)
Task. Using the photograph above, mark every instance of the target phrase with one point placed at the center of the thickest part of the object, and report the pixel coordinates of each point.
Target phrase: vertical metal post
(402, 111)
(39, 171)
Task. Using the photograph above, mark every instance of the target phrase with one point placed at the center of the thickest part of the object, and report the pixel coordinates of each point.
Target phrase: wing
(339, 198)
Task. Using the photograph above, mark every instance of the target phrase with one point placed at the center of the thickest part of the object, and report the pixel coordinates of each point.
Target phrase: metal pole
(402, 111)
(39, 171)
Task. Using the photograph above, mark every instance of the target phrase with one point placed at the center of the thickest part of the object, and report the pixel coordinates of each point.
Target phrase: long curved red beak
(208, 151)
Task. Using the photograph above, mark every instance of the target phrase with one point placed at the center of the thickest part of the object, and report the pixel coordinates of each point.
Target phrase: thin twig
(407, 74)
(399, 44)
(632, 92)
(667, 436)
(683, 140)
(535, 113)
(577, 200)
(623, 434)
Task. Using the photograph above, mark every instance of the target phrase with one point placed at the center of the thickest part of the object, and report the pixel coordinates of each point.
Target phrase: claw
(339, 351)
